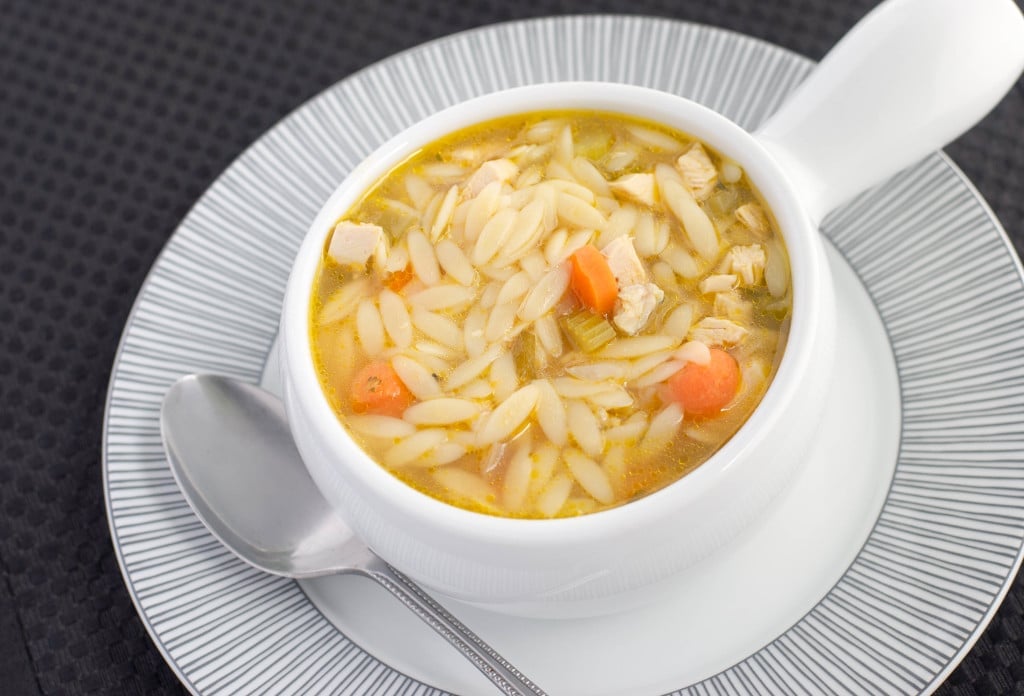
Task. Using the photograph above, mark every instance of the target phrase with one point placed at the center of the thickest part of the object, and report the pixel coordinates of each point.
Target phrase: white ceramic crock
(887, 95)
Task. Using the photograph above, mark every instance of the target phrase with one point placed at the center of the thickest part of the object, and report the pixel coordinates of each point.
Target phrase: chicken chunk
(717, 283)
(489, 172)
(639, 187)
(699, 173)
(753, 218)
(634, 306)
(353, 243)
(715, 331)
(731, 305)
(624, 262)
(747, 263)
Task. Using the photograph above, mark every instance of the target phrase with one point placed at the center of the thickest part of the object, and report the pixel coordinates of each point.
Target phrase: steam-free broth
(550, 314)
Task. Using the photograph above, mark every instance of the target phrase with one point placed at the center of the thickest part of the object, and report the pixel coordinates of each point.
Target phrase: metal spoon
(233, 456)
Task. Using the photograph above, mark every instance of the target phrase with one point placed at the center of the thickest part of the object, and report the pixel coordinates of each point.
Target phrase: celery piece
(525, 352)
(593, 144)
(588, 331)
(722, 202)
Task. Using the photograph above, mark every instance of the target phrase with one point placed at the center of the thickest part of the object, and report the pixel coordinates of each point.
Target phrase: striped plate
(942, 552)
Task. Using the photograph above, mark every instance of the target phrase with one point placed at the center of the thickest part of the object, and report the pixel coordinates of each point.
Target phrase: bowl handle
(906, 80)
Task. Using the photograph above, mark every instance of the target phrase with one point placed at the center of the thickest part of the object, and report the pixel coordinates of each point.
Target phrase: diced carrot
(704, 390)
(399, 279)
(592, 280)
(377, 389)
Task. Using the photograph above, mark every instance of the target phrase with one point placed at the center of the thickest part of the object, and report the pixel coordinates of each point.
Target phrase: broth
(552, 313)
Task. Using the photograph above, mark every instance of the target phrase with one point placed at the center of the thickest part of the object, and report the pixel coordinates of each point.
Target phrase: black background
(114, 117)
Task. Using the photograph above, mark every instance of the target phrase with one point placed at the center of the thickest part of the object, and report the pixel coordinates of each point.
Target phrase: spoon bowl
(233, 456)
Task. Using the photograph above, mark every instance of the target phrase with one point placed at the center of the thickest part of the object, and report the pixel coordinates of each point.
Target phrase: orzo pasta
(551, 314)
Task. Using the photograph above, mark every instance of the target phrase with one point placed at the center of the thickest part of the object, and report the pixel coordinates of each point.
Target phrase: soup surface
(550, 314)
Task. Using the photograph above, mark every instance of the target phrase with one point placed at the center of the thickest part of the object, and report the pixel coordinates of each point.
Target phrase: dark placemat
(114, 117)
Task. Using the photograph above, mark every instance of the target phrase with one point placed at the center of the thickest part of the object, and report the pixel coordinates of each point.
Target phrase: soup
(550, 314)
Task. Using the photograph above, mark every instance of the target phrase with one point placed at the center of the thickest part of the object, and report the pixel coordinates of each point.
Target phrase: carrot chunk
(592, 281)
(399, 279)
(377, 389)
(704, 390)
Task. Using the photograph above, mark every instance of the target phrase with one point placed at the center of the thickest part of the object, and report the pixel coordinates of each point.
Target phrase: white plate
(892, 550)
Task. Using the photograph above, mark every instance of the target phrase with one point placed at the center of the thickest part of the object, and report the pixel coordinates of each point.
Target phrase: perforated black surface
(114, 117)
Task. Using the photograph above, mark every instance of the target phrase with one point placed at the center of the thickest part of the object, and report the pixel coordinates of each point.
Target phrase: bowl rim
(807, 273)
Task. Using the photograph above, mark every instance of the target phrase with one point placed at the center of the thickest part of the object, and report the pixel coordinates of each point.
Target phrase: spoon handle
(493, 666)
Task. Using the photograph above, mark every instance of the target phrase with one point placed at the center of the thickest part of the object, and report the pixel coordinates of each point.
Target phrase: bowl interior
(416, 508)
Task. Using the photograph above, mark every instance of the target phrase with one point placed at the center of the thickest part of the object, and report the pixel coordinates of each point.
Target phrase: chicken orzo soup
(550, 314)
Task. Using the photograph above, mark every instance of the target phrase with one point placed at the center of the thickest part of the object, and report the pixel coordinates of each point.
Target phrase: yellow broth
(445, 263)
